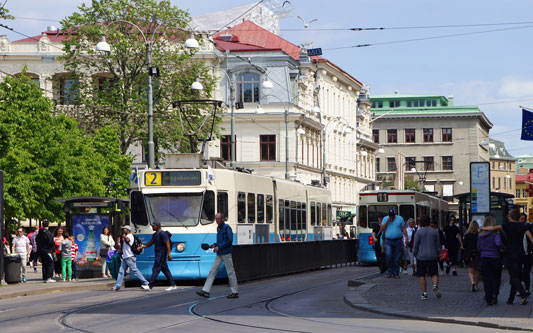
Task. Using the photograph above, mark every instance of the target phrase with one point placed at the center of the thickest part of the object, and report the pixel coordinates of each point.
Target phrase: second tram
(408, 204)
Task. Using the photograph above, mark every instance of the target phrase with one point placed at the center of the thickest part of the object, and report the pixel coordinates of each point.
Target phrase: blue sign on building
(314, 52)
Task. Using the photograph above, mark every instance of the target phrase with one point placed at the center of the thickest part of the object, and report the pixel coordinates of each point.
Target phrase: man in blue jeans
(395, 232)
(128, 260)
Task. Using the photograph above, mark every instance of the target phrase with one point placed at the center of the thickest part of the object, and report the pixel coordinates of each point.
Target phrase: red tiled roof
(54, 36)
(248, 37)
(256, 38)
(524, 178)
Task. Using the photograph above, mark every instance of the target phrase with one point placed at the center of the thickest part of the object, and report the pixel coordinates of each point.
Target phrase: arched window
(33, 77)
(248, 88)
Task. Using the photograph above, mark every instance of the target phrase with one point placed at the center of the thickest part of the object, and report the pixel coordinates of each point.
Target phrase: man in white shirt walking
(128, 260)
(22, 247)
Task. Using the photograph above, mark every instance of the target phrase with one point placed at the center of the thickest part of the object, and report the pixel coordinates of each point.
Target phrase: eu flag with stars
(527, 125)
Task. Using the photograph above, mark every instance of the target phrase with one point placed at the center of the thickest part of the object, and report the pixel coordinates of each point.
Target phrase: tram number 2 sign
(383, 197)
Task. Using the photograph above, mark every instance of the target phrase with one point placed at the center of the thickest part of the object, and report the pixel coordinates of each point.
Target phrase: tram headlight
(180, 247)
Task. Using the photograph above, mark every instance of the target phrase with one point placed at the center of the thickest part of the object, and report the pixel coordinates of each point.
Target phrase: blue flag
(527, 125)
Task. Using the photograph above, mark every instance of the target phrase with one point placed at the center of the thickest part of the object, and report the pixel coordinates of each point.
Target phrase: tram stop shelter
(499, 207)
(86, 218)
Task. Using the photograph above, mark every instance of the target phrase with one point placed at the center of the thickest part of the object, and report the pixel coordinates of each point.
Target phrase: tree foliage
(47, 157)
(113, 85)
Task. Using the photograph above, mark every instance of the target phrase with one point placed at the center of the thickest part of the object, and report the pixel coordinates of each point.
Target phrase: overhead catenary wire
(427, 38)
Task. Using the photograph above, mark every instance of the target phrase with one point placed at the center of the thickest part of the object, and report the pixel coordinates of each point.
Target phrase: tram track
(63, 319)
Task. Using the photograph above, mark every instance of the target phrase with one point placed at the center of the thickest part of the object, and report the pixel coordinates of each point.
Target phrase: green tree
(47, 157)
(411, 183)
(113, 85)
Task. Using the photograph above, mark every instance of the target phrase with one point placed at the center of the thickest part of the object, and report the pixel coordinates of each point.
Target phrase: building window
(433, 102)
(375, 135)
(428, 134)
(225, 147)
(429, 164)
(447, 163)
(391, 164)
(446, 135)
(524, 193)
(248, 88)
(392, 136)
(394, 104)
(377, 105)
(410, 163)
(268, 147)
(410, 136)
(69, 92)
(518, 194)
(377, 165)
(409, 103)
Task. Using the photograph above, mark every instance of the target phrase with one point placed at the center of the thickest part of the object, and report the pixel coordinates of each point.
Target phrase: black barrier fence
(256, 261)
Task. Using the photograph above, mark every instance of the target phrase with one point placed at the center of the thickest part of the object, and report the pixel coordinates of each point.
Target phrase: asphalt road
(310, 302)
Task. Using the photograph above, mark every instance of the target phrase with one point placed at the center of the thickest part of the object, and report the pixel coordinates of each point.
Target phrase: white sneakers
(50, 281)
(171, 288)
(145, 287)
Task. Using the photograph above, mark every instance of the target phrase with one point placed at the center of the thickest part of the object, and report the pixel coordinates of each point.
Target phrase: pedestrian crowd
(484, 249)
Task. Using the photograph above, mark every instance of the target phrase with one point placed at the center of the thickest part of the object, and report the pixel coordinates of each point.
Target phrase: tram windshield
(174, 209)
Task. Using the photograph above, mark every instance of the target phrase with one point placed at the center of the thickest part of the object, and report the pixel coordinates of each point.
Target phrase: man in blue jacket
(222, 248)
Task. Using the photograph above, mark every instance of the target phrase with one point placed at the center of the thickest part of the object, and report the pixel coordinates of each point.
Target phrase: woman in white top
(22, 247)
(106, 244)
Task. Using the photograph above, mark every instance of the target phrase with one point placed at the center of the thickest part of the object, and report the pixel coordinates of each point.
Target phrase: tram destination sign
(173, 178)
(480, 187)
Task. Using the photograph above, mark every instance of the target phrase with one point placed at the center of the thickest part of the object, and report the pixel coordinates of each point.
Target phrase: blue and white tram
(408, 204)
(259, 210)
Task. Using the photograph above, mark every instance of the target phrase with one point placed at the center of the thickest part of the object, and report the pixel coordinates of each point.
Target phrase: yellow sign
(152, 178)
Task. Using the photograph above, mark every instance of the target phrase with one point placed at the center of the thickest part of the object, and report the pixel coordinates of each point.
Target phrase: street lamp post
(190, 43)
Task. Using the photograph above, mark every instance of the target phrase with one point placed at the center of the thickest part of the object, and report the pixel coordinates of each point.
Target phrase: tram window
(377, 211)
(241, 207)
(208, 208)
(298, 220)
(363, 217)
(324, 215)
(260, 208)
(313, 213)
(251, 208)
(286, 230)
(138, 209)
(222, 203)
(293, 221)
(281, 217)
(269, 208)
(330, 218)
(304, 218)
(318, 214)
(421, 211)
(407, 212)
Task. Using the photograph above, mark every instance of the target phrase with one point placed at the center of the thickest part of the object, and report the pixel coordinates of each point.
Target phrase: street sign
(344, 213)
(314, 52)
(480, 187)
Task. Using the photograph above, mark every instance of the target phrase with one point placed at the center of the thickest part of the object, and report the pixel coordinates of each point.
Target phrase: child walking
(65, 247)
(74, 257)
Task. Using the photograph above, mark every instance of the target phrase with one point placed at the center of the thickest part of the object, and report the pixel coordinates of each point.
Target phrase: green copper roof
(428, 111)
(498, 148)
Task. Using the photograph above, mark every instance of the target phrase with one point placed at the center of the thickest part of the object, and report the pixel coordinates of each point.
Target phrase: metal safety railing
(256, 261)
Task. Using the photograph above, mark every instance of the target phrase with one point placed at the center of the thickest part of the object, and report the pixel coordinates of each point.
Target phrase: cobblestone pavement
(458, 303)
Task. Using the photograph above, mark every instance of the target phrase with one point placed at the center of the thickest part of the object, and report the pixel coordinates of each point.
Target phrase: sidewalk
(401, 298)
(36, 286)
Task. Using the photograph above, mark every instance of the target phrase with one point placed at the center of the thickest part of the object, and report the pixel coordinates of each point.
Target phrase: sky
(491, 69)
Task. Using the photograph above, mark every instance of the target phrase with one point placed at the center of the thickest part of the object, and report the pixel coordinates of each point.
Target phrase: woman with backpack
(471, 255)
(490, 247)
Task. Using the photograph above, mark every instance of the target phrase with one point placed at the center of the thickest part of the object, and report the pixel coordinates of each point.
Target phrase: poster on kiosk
(87, 230)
